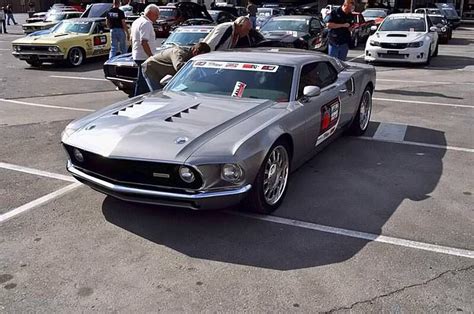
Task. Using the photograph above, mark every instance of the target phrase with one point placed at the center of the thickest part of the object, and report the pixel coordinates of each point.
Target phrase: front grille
(393, 45)
(127, 72)
(33, 48)
(133, 173)
(392, 56)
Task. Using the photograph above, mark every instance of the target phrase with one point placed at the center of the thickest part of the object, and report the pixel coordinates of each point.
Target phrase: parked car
(222, 130)
(37, 17)
(122, 70)
(429, 11)
(360, 29)
(445, 32)
(50, 21)
(377, 15)
(305, 31)
(403, 37)
(311, 8)
(265, 14)
(449, 11)
(97, 10)
(71, 42)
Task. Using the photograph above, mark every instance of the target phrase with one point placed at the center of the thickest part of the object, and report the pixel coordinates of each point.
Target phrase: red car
(360, 29)
(172, 16)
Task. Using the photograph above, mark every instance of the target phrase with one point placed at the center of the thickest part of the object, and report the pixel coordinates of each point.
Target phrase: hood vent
(121, 111)
(178, 115)
(396, 35)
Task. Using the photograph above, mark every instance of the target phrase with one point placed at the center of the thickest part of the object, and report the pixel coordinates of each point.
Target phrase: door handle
(343, 90)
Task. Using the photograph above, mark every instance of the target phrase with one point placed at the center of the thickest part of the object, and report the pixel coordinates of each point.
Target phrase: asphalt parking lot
(379, 223)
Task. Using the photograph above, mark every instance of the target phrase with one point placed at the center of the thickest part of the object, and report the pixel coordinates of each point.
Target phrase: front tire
(271, 183)
(361, 121)
(75, 57)
(436, 50)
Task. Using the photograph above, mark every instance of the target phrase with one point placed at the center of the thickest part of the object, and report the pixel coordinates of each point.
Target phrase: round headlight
(186, 174)
(78, 155)
(232, 173)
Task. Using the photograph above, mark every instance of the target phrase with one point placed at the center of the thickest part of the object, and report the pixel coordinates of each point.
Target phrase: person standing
(143, 43)
(118, 30)
(339, 23)
(10, 16)
(169, 61)
(252, 11)
(2, 21)
(227, 35)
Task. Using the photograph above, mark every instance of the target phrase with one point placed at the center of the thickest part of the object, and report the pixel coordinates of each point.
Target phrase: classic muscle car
(222, 130)
(72, 42)
(50, 21)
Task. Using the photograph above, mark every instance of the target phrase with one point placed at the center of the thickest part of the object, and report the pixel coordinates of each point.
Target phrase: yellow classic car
(71, 41)
(50, 21)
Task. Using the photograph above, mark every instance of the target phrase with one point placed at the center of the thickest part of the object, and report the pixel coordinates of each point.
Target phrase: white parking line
(360, 56)
(455, 148)
(78, 78)
(390, 131)
(4, 49)
(422, 102)
(37, 172)
(38, 202)
(44, 106)
(362, 235)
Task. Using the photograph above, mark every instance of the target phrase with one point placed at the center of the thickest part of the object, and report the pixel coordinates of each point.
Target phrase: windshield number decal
(239, 89)
(237, 66)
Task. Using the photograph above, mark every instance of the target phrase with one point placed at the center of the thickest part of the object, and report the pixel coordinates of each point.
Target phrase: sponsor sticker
(239, 89)
(256, 67)
(330, 114)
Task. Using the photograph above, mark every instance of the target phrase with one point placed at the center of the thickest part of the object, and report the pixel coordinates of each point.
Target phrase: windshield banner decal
(236, 66)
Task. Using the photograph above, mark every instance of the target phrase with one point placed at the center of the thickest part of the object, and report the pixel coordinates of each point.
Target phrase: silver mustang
(222, 130)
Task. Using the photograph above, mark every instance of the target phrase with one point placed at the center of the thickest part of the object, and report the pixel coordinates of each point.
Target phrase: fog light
(78, 155)
(232, 173)
(186, 174)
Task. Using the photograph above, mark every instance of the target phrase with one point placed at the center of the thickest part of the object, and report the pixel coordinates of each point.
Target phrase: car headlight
(232, 173)
(374, 43)
(78, 155)
(186, 174)
(16, 48)
(416, 44)
(53, 49)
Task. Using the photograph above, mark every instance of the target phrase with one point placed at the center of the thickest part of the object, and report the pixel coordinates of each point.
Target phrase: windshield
(234, 79)
(183, 38)
(299, 25)
(73, 27)
(213, 14)
(55, 17)
(403, 24)
(167, 13)
(450, 13)
(374, 13)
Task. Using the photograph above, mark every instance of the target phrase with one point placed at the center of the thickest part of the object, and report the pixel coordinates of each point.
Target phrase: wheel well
(79, 47)
(370, 85)
(286, 138)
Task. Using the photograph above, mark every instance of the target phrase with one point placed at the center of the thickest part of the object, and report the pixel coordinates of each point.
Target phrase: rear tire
(361, 120)
(271, 183)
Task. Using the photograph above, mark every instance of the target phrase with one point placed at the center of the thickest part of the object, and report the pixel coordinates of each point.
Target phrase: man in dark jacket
(339, 23)
(169, 61)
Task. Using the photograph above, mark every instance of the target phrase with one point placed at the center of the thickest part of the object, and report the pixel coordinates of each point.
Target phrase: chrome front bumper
(199, 200)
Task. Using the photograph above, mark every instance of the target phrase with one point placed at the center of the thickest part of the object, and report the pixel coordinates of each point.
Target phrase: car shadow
(415, 93)
(92, 64)
(354, 184)
(456, 41)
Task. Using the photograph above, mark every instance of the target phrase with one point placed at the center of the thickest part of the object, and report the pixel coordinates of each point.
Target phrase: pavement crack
(388, 294)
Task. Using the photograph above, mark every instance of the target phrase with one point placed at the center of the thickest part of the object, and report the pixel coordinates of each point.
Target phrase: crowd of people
(6, 16)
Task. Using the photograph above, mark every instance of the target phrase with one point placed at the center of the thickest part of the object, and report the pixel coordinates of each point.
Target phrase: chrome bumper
(200, 200)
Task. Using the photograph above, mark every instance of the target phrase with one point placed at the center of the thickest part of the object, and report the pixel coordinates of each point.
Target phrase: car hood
(282, 35)
(40, 24)
(398, 37)
(151, 128)
(49, 38)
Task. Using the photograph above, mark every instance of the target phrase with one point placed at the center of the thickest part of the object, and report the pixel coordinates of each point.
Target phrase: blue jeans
(118, 43)
(339, 51)
(10, 17)
(253, 20)
(141, 87)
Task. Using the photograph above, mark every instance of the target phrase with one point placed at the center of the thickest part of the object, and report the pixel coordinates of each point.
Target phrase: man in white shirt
(227, 35)
(144, 43)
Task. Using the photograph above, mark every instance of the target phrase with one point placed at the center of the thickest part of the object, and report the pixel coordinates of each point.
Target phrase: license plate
(392, 52)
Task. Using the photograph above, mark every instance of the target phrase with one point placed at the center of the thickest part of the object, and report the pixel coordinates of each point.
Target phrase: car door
(432, 35)
(324, 113)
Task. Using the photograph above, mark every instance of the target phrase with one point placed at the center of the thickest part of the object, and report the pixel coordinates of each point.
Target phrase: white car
(327, 9)
(405, 37)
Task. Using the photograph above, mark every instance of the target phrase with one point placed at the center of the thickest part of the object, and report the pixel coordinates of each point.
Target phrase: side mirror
(311, 91)
(373, 28)
(433, 29)
(166, 79)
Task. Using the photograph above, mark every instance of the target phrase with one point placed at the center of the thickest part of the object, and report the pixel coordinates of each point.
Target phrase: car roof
(196, 27)
(293, 17)
(407, 15)
(87, 19)
(435, 15)
(277, 56)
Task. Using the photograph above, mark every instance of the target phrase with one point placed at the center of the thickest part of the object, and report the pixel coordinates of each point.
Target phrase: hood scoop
(138, 109)
(396, 35)
(179, 114)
